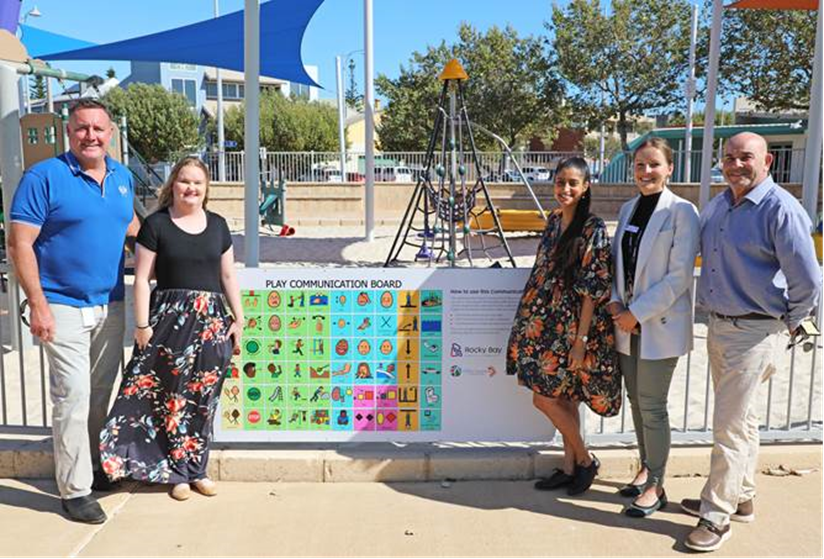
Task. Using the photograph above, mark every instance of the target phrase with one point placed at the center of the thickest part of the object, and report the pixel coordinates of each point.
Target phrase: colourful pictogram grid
(340, 360)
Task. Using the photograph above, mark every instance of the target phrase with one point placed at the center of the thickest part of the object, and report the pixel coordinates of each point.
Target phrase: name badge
(632, 229)
(87, 317)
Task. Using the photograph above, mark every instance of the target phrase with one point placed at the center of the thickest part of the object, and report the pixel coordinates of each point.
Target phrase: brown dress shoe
(707, 536)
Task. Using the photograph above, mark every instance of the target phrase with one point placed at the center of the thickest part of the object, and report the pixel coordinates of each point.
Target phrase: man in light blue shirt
(759, 275)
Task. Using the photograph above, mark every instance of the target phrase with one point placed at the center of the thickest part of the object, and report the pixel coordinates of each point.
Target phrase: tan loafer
(206, 487)
(181, 492)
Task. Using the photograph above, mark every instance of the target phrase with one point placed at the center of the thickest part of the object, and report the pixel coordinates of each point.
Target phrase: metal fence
(538, 166)
(791, 408)
(389, 166)
(787, 167)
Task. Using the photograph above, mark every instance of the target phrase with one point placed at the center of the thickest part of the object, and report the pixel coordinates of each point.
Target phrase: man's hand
(41, 321)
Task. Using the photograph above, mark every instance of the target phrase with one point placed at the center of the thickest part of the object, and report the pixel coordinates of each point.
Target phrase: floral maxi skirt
(160, 426)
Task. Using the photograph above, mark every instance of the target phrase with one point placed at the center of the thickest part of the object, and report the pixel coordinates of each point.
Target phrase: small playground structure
(445, 211)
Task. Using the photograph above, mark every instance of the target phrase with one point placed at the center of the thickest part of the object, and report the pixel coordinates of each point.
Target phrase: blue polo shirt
(82, 228)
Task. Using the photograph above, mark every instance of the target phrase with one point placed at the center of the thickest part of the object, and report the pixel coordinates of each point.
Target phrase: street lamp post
(369, 122)
(339, 62)
(34, 12)
(341, 117)
(221, 140)
(690, 94)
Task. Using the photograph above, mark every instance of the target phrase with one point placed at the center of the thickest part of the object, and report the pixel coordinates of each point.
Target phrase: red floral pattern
(160, 425)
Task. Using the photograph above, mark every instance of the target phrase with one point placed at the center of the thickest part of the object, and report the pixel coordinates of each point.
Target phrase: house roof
(728, 131)
(774, 4)
(235, 76)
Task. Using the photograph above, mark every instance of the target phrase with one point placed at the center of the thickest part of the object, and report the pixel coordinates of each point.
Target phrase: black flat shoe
(584, 476)
(102, 483)
(637, 511)
(84, 509)
(630, 490)
(558, 479)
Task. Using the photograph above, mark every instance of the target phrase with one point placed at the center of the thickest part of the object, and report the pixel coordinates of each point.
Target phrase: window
(187, 88)
(32, 135)
(300, 90)
(782, 161)
(230, 91)
(49, 135)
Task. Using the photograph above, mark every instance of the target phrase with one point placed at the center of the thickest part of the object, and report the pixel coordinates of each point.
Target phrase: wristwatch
(584, 339)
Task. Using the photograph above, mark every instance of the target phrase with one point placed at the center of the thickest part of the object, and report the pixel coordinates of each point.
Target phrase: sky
(400, 27)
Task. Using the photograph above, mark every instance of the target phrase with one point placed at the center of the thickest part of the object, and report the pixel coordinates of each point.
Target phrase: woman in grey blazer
(654, 254)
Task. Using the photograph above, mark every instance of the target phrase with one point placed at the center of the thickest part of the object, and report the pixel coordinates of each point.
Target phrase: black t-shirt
(185, 260)
(631, 240)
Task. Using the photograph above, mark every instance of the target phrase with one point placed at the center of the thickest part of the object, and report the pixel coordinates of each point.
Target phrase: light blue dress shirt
(758, 256)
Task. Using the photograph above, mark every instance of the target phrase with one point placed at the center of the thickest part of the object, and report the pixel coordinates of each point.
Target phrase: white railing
(390, 166)
(787, 167)
(789, 406)
(316, 166)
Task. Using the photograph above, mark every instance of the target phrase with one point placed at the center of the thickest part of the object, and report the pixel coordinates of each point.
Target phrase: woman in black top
(160, 426)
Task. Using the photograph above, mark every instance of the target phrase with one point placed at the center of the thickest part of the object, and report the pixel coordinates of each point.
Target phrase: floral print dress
(547, 321)
(160, 425)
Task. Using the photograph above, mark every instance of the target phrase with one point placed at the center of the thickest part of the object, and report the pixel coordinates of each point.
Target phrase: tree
(629, 62)
(292, 124)
(767, 56)
(354, 100)
(592, 147)
(110, 73)
(161, 123)
(38, 88)
(513, 90)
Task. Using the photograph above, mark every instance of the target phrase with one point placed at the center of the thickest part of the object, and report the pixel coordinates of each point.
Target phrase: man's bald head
(746, 162)
(750, 140)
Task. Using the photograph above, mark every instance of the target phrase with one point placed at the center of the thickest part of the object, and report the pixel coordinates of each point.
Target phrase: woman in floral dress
(160, 426)
(562, 344)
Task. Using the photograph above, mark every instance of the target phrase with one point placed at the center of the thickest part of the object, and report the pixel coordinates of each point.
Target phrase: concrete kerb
(383, 462)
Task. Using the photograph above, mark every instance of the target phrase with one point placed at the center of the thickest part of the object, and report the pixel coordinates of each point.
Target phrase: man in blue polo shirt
(70, 217)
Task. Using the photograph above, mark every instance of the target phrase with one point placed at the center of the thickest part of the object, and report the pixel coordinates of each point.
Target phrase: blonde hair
(165, 196)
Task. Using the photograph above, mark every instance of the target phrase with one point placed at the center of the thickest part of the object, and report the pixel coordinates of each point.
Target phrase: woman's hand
(142, 337)
(576, 355)
(615, 307)
(626, 321)
(234, 333)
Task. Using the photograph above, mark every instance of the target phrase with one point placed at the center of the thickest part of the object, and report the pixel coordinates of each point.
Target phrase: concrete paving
(462, 518)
